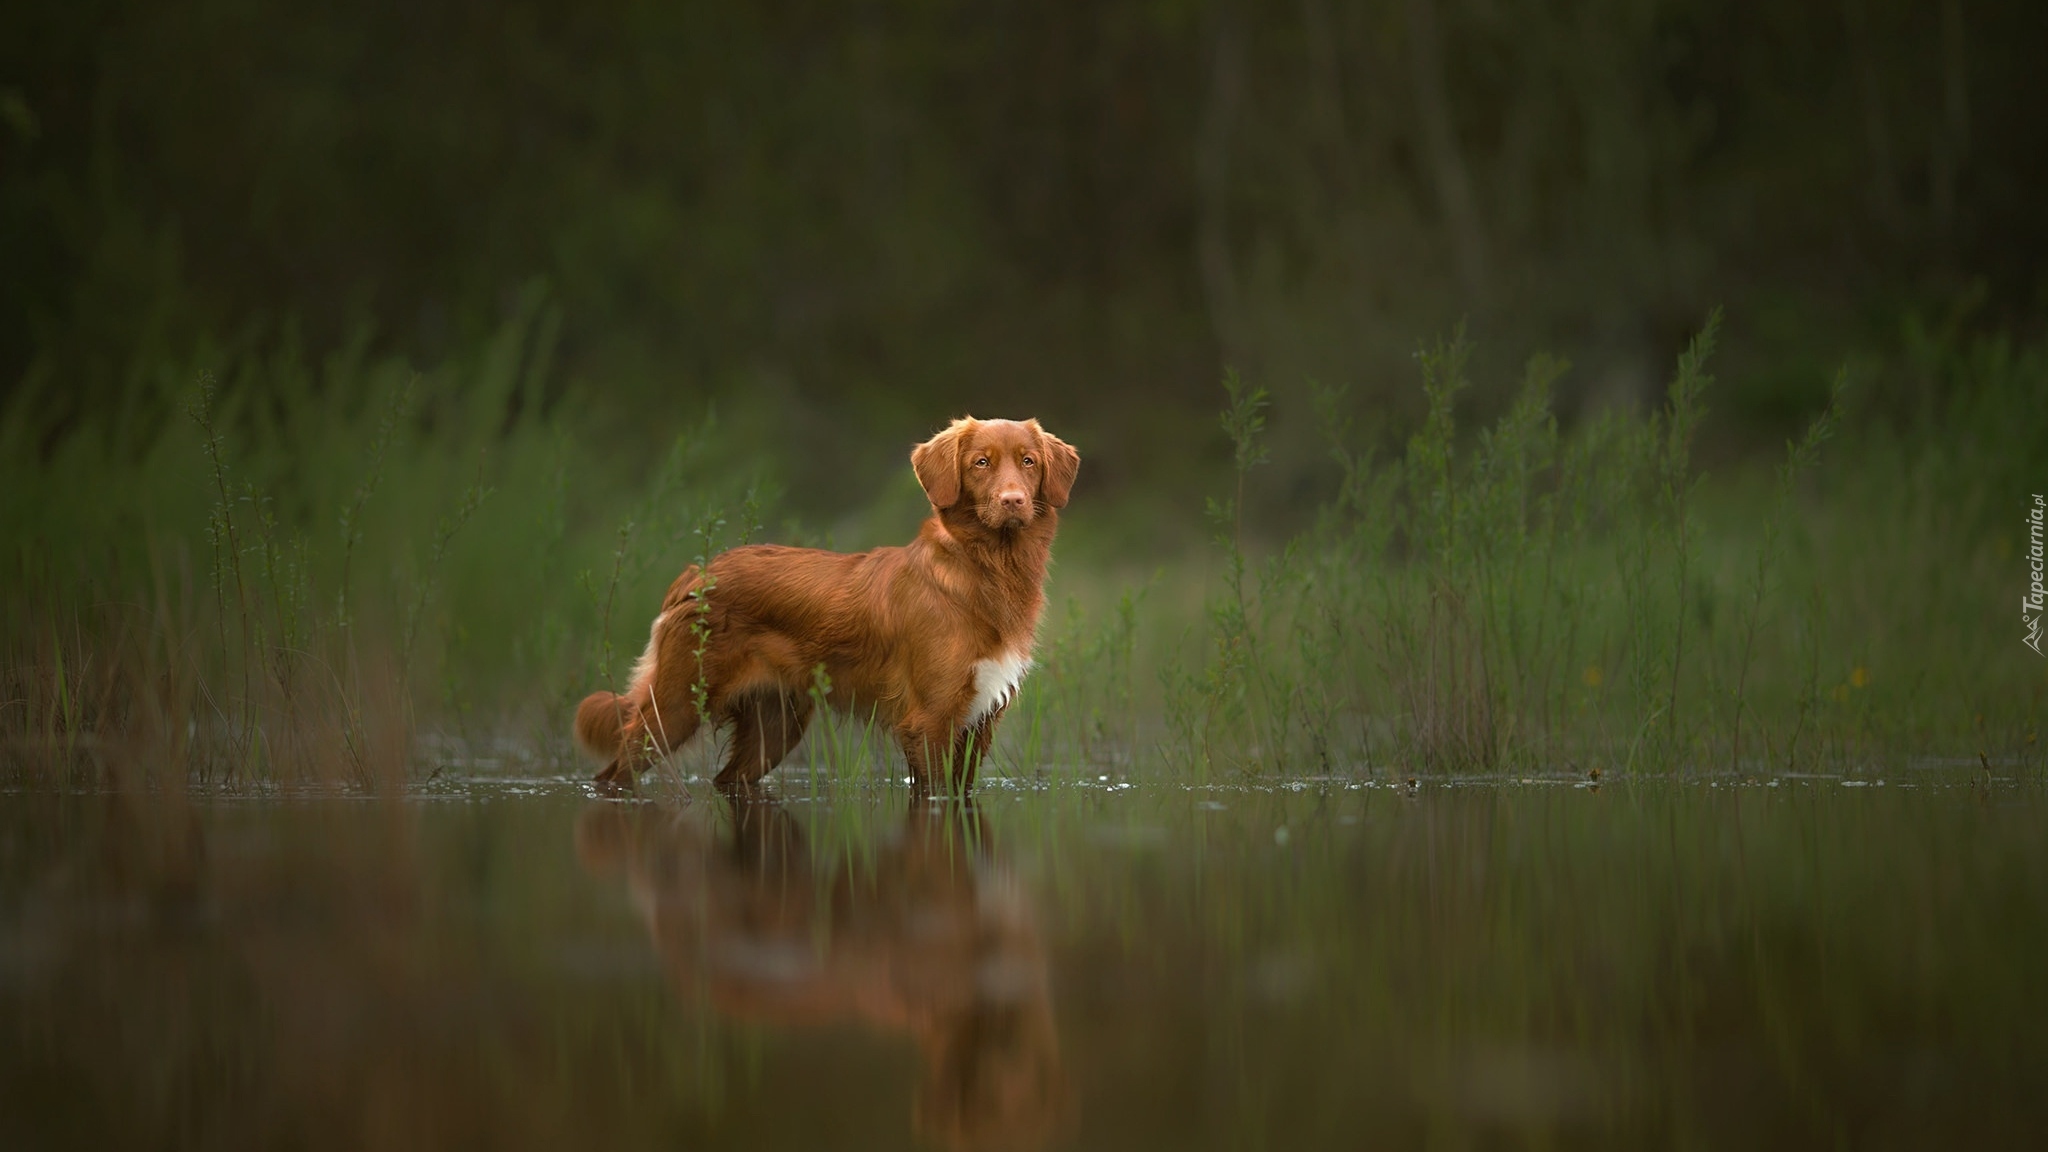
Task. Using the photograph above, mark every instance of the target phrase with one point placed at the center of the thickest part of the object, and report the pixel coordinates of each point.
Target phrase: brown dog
(933, 637)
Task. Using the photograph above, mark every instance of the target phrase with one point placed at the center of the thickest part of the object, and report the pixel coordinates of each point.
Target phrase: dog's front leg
(973, 744)
(924, 747)
(941, 753)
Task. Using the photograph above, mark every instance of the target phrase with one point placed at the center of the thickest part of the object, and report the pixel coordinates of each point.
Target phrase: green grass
(318, 563)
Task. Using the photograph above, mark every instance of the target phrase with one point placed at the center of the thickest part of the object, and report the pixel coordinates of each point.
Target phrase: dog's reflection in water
(930, 934)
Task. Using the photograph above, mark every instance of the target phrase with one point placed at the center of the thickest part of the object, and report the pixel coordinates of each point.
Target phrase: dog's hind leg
(766, 727)
(661, 713)
(653, 730)
(657, 714)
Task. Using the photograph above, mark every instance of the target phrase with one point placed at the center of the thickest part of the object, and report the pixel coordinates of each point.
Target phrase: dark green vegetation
(1797, 962)
(855, 222)
(361, 370)
(335, 575)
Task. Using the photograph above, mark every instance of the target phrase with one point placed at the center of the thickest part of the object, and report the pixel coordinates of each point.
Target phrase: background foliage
(507, 310)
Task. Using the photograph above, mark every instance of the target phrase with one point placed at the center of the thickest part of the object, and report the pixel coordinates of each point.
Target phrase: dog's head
(1008, 472)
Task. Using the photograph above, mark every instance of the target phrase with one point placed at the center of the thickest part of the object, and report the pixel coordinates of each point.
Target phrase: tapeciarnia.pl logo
(2031, 604)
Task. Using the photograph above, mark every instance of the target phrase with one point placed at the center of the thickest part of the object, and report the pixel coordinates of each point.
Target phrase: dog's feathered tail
(601, 724)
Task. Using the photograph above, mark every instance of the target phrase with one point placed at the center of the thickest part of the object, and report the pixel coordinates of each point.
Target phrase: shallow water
(1086, 963)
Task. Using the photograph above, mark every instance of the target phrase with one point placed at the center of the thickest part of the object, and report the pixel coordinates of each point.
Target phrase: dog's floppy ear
(1062, 464)
(937, 464)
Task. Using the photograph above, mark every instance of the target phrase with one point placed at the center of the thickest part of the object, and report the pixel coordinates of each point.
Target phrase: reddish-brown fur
(900, 631)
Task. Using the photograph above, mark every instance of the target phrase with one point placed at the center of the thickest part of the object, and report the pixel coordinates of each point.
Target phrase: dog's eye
(981, 462)
(1028, 461)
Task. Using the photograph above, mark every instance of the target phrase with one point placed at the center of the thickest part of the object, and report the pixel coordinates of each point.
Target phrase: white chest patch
(995, 683)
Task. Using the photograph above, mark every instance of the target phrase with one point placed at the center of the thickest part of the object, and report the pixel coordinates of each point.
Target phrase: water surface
(1080, 962)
